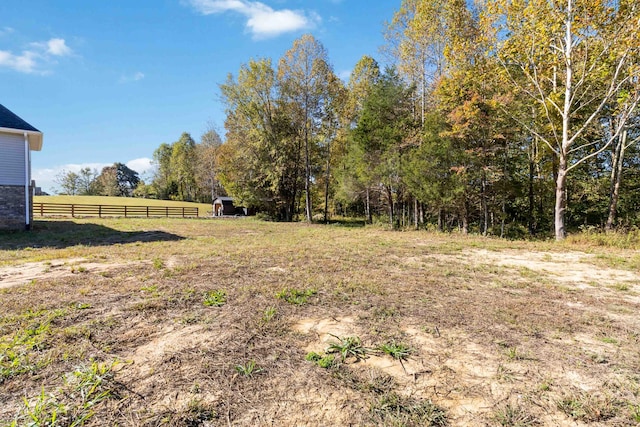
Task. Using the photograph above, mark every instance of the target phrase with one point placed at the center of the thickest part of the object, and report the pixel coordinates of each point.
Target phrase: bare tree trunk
(561, 199)
(326, 184)
(561, 182)
(390, 200)
(485, 208)
(415, 212)
(465, 217)
(616, 180)
(423, 97)
(465, 223)
(307, 178)
(531, 192)
(367, 207)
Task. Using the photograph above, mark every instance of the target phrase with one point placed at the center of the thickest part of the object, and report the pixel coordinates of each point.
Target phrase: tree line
(505, 118)
(502, 117)
(183, 170)
(114, 180)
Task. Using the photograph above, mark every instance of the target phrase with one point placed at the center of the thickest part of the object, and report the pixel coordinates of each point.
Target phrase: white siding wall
(11, 159)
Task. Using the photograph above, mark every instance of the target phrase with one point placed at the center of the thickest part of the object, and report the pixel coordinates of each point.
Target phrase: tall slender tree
(304, 74)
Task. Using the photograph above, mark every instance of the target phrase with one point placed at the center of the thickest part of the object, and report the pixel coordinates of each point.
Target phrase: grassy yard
(175, 322)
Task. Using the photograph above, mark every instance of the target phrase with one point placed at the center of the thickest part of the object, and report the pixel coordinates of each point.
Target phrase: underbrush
(590, 236)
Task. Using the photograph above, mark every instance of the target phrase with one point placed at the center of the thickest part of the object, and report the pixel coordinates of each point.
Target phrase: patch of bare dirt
(54, 269)
(570, 268)
(463, 376)
(152, 367)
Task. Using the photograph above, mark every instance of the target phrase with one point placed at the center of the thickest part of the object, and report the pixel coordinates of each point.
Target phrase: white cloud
(132, 78)
(53, 47)
(58, 47)
(143, 166)
(26, 62)
(36, 59)
(6, 30)
(262, 20)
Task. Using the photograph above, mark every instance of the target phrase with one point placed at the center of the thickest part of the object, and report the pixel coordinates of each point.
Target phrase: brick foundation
(12, 207)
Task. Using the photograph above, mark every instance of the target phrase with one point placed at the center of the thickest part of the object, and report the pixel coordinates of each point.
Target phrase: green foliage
(68, 182)
(268, 314)
(348, 347)
(296, 296)
(71, 405)
(635, 413)
(187, 171)
(23, 352)
(117, 180)
(325, 362)
(249, 369)
(215, 298)
(396, 350)
(261, 158)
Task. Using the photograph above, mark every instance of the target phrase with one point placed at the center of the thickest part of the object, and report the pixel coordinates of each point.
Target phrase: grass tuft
(296, 296)
(215, 298)
(511, 415)
(396, 350)
(392, 409)
(249, 369)
(348, 347)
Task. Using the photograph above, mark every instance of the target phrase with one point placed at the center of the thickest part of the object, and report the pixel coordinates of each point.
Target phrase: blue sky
(109, 81)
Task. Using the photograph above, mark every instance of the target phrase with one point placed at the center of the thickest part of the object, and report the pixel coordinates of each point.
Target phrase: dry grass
(191, 322)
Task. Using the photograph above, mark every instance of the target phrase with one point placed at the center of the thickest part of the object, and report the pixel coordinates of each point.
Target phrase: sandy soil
(54, 269)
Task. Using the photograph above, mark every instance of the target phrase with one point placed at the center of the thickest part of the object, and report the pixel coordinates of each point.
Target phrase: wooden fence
(63, 209)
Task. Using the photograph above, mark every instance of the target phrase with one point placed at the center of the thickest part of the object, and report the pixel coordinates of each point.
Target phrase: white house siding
(12, 153)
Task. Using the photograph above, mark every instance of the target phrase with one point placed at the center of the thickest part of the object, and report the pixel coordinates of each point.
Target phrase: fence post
(147, 211)
(73, 213)
(41, 209)
(125, 211)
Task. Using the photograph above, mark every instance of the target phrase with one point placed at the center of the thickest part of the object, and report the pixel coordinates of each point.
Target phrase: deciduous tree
(574, 59)
(304, 76)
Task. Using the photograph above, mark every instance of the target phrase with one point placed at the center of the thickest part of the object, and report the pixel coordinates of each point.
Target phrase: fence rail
(64, 209)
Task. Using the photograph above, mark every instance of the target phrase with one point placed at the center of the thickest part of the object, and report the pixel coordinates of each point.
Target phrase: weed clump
(325, 362)
(396, 350)
(215, 298)
(588, 407)
(348, 347)
(296, 296)
(72, 404)
(512, 415)
(249, 369)
(392, 409)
